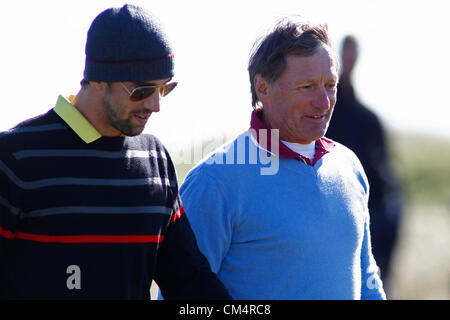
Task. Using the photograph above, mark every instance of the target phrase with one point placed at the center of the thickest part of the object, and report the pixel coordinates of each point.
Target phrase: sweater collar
(323, 145)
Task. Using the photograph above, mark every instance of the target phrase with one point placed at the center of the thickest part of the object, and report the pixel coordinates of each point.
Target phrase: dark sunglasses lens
(141, 93)
(165, 90)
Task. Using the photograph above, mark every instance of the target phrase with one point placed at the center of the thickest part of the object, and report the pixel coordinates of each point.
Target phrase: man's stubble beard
(123, 125)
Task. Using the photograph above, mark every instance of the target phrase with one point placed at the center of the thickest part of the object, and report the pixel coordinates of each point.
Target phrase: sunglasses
(143, 92)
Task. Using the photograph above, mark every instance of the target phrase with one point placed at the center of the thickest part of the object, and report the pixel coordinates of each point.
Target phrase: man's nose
(152, 103)
(322, 99)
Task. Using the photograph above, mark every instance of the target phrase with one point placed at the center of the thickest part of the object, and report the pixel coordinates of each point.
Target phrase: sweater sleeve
(207, 208)
(371, 284)
(182, 272)
(9, 207)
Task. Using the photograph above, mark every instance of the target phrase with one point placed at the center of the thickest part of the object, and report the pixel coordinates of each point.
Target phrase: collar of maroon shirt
(323, 145)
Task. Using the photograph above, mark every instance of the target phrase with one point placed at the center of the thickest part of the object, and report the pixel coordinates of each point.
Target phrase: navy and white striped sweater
(94, 220)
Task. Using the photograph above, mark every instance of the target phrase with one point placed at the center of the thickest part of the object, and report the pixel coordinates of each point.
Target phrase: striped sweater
(89, 217)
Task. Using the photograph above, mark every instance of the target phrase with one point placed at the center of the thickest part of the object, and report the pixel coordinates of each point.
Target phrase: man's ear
(262, 87)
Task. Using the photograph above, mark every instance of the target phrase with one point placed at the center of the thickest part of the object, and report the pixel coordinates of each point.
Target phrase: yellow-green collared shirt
(79, 124)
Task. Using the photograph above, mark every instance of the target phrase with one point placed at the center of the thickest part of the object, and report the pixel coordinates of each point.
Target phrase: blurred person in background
(358, 128)
(89, 206)
(301, 231)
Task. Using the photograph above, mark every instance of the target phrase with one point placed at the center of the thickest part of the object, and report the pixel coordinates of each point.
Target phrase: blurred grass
(423, 163)
(182, 171)
(421, 262)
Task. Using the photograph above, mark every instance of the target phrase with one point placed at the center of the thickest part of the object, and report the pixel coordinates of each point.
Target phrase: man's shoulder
(35, 122)
(342, 153)
(31, 129)
(342, 156)
(340, 149)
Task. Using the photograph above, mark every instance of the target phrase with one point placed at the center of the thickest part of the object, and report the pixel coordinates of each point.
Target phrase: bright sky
(401, 74)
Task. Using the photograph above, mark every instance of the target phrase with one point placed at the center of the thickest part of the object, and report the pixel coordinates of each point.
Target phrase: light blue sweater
(301, 233)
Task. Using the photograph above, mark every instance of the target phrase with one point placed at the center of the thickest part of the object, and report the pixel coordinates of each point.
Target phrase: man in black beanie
(89, 206)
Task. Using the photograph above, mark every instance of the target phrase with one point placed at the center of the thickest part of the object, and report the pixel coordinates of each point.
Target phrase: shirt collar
(323, 145)
(75, 120)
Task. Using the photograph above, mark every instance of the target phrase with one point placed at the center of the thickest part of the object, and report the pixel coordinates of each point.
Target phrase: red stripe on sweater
(82, 238)
(177, 215)
(6, 234)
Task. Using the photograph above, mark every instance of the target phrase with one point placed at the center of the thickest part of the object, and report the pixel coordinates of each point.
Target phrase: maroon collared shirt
(323, 145)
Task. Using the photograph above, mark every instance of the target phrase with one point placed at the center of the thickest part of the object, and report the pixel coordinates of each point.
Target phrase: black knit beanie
(127, 44)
